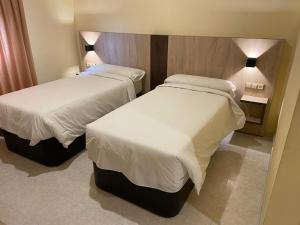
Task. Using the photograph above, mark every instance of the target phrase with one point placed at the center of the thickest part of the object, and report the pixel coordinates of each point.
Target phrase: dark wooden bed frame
(48, 152)
(159, 202)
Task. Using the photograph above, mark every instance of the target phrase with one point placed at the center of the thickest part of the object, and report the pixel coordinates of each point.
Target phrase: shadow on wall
(208, 206)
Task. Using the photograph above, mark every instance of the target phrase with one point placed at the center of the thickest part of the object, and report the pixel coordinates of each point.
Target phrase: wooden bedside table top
(254, 99)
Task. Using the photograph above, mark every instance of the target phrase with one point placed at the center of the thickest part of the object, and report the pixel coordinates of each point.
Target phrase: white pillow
(132, 73)
(214, 83)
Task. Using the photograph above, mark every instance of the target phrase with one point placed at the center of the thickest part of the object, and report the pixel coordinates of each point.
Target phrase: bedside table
(254, 108)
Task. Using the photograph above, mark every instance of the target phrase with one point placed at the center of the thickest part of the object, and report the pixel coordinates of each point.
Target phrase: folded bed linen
(64, 107)
(166, 136)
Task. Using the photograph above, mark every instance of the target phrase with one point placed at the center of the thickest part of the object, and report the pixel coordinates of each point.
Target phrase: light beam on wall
(254, 48)
(256, 53)
(90, 37)
(90, 57)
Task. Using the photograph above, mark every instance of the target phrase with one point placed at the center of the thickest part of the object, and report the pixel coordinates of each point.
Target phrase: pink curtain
(16, 62)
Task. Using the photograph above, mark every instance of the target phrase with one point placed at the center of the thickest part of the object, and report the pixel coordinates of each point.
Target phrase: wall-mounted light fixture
(89, 48)
(251, 62)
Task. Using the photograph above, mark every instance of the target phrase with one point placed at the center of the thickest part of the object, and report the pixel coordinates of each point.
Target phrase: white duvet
(64, 107)
(164, 137)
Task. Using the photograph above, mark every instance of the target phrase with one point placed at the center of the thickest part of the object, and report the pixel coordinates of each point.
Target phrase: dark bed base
(48, 152)
(161, 203)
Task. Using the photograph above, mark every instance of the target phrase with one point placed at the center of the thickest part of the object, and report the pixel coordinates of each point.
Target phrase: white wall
(52, 37)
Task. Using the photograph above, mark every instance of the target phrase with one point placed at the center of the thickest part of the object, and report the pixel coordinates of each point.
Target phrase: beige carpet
(31, 194)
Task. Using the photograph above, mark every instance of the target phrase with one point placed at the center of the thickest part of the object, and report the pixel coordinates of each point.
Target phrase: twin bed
(152, 150)
(47, 123)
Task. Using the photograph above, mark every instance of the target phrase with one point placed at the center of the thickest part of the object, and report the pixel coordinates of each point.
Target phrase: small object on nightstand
(254, 108)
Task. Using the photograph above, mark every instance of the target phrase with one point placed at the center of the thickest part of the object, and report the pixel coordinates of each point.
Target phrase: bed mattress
(62, 108)
(165, 137)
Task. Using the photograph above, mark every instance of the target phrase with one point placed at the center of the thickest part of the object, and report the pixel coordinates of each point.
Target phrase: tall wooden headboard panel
(225, 58)
(131, 50)
(164, 55)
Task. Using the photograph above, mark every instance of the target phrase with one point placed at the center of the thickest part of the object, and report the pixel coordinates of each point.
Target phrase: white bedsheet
(164, 137)
(64, 107)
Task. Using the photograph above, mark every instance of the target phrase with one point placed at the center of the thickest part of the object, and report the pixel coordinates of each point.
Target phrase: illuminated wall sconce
(251, 62)
(89, 48)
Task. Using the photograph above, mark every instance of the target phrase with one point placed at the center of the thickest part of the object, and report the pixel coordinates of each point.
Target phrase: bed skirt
(48, 152)
(161, 203)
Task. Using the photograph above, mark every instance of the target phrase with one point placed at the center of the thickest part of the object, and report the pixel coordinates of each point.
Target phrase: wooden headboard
(225, 58)
(131, 50)
(164, 55)
(219, 57)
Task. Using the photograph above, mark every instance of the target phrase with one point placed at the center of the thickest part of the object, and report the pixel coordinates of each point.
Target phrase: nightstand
(254, 108)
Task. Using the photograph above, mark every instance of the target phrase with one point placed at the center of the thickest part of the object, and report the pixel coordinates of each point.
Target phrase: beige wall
(284, 202)
(52, 37)
(256, 18)
(284, 171)
(233, 18)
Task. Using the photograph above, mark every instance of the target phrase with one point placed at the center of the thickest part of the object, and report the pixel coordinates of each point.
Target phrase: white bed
(168, 135)
(62, 108)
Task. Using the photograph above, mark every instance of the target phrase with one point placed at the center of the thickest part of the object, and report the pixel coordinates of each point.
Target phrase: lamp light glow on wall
(251, 62)
(89, 48)
(90, 57)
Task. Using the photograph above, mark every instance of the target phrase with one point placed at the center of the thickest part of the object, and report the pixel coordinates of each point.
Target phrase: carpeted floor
(31, 194)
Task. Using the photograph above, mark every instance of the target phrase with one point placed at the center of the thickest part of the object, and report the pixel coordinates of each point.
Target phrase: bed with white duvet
(61, 109)
(163, 139)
